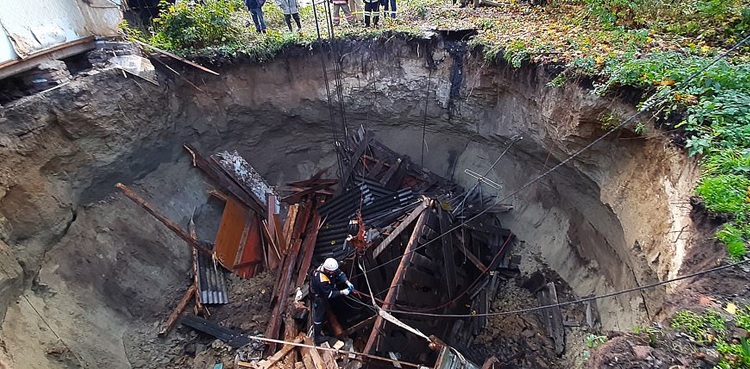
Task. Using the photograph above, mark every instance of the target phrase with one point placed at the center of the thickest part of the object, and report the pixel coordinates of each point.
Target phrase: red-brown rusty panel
(231, 229)
(252, 253)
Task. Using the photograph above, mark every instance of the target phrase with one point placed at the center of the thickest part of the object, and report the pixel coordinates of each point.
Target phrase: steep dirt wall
(96, 268)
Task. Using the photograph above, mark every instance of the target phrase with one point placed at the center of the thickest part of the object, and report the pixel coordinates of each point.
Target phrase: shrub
(726, 193)
(195, 26)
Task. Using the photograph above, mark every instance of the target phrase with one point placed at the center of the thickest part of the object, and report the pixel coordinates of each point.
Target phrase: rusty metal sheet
(234, 222)
(250, 258)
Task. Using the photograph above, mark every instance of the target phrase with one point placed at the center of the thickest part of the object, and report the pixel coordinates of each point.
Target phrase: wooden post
(178, 310)
(390, 298)
(162, 218)
(308, 250)
(396, 232)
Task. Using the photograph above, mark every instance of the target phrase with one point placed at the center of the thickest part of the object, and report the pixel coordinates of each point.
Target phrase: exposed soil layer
(86, 275)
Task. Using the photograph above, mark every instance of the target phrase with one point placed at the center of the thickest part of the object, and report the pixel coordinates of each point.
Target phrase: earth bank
(86, 275)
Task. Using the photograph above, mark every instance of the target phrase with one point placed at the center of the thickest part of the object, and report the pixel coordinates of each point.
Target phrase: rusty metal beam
(162, 218)
(390, 298)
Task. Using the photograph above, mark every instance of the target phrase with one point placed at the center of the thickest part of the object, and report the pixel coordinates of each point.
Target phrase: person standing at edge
(323, 283)
(256, 11)
(291, 10)
(338, 6)
(386, 5)
(372, 9)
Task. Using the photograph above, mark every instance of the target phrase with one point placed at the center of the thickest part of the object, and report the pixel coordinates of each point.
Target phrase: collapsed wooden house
(411, 241)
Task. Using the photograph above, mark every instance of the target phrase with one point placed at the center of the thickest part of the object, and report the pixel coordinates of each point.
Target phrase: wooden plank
(359, 326)
(252, 251)
(469, 255)
(163, 219)
(401, 227)
(420, 278)
(328, 360)
(361, 148)
(291, 217)
(177, 57)
(391, 171)
(274, 255)
(286, 349)
(552, 317)
(217, 174)
(390, 298)
(282, 288)
(313, 354)
(308, 250)
(307, 360)
(447, 251)
(169, 324)
(279, 235)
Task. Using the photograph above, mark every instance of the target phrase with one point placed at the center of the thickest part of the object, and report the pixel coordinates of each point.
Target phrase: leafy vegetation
(711, 328)
(655, 46)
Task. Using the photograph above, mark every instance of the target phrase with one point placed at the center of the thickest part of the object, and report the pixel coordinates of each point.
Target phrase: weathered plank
(401, 227)
(552, 317)
(217, 174)
(447, 251)
(275, 358)
(169, 324)
(313, 354)
(390, 298)
(163, 219)
(308, 250)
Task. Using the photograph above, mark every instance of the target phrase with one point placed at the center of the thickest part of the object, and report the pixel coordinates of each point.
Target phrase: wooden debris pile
(409, 239)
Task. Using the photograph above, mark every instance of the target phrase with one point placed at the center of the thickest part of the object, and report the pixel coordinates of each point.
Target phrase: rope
(342, 352)
(578, 301)
(655, 99)
(424, 122)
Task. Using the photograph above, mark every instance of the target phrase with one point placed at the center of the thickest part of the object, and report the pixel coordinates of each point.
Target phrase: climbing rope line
(578, 301)
(424, 122)
(651, 102)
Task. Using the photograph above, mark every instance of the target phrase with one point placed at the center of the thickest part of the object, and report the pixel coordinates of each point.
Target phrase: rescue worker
(372, 10)
(338, 7)
(323, 284)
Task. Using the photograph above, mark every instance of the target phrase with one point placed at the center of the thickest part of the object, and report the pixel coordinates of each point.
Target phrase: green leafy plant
(734, 237)
(725, 193)
(187, 26)
(701, 327)
(594, 341)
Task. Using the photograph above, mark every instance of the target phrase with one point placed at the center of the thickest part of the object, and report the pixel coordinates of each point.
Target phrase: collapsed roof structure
(415, 244)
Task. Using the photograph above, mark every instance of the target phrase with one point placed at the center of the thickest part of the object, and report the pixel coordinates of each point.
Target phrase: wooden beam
(328, 360)
(217, 174)
(355, 159)
(282, 288)
(447, 251)
(308, 361)
(178, 310)
(265, 364)
(357, 327)
(177, 57)
(469, 255)
(401, 227)
(390, 298)
(162, 218)
(308, 250)
(391, 171)
(313, 353)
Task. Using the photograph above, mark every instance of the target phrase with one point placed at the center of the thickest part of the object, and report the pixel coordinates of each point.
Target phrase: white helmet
(331, 265)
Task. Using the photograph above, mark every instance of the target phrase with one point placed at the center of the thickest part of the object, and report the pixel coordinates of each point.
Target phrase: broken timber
(163, 219)
(552, 316)
(178, 310)
(215, 172)
(390, 298)
(401, 227)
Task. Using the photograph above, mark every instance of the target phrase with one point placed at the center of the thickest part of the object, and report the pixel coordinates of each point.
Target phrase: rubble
(383, 208)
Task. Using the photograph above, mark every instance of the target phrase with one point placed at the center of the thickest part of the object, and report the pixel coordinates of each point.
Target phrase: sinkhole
(87, 276)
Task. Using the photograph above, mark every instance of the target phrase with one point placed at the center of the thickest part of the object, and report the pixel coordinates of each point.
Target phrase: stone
(642, 353)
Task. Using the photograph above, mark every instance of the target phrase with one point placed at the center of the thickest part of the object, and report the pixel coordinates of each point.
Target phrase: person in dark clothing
(372, 9)
(389, 8)
(256, 10)
(323, 286)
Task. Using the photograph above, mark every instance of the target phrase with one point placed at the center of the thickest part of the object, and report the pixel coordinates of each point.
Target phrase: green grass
(710, 328)
(653, 45)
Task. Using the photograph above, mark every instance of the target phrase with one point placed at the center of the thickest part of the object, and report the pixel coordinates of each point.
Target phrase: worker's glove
(345, 292)
(350, 285)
